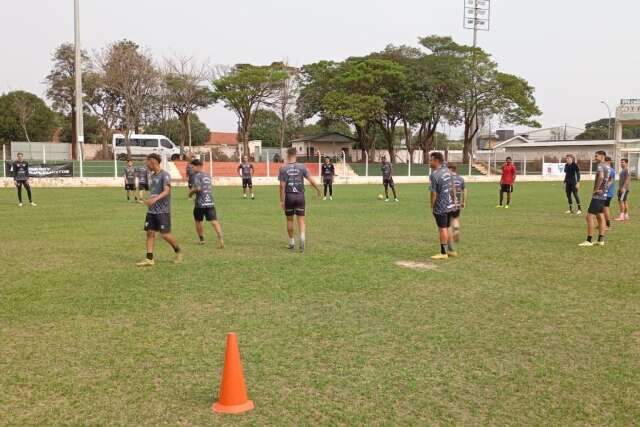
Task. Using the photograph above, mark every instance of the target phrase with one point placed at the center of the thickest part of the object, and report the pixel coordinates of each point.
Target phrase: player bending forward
(507, 180)
(246, 171)
(442, 204)
(20, 170)
(292, 201)
(598, 200)
(623, 190)
(204, 206)
(159, 213)
(460, 191)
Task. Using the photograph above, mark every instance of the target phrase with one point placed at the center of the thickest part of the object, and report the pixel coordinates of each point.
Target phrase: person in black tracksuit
(572, 183)
(20, 170)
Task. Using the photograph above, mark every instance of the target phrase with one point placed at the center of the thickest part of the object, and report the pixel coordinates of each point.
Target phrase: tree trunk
(24, 128)
(189, 129)
(184, 137)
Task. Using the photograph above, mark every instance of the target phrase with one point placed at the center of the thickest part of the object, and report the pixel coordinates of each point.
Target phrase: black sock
(600, 238)
(176, 248)
(570, 208)
(589, 238)
(443, 249)
(201, 238)
(150, 255)
(608, 223)
(579, 207)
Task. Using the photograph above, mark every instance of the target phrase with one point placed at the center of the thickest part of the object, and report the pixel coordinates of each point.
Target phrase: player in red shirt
(506, 182)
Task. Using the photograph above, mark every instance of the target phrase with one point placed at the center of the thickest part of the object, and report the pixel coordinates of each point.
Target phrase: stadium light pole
(609, 111)
(78, 89)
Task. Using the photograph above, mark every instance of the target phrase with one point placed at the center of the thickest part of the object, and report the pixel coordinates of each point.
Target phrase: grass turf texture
(523, 328)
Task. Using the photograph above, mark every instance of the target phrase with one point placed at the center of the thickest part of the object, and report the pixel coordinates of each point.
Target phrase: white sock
(292, 241)
(302, 238)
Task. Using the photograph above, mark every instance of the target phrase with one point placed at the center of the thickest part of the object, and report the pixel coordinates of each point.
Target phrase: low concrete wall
(260, 181)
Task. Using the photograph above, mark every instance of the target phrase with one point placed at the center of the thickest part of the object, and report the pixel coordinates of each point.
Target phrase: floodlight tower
(477, 17)
(78, 89)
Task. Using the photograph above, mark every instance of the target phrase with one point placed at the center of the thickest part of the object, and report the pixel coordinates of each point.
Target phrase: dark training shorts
(596, 207)
(506, 188)
(388, 182)
(158, 222)
(443, 220)
(455, 214)
(294, 204)
(199, 214)
(247, 182)
(143, 187)
(607, 203)
(327, 180)
(623, 195)
(130, 187)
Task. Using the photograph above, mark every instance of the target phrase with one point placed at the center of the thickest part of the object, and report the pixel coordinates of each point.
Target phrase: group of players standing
(448, 196)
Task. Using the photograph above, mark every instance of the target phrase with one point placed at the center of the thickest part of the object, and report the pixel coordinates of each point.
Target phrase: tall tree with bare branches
(285, 97)
(185, 84)
(130, 73)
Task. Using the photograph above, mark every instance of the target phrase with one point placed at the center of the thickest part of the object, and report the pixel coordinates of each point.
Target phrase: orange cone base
(233, 409)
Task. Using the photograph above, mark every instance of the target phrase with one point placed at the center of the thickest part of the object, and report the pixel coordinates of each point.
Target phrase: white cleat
(33, 204)
(397, 200)
(386, 200)
(579, 213)
(586, 244)
(20, 204)
(330, 197)
(324, 198)
(569, 212)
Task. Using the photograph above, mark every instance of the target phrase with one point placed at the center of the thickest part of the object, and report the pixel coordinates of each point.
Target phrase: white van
(143, 145)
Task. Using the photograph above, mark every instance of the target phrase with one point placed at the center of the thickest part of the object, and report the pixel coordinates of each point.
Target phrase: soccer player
(572, 183)
(506, 182)
(328, 173)
(204, 206)
(246, 171)
(189, 157)
(442, 204)
(291, 177)
(129, 179)
(387, 178)
(460, 190)
(20, 170)
(599, 198)
(142, 173)
(611, 191)
(159, 212)
(623, 190)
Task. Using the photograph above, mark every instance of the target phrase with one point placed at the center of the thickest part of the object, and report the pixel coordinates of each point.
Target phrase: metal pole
(609, 111)
(268, 168)
(525, 164)
(4, 160)
(344, 164)
(211, 162)
(78, 76)
(115, 162)
(44, 155)
(591, 167)
(319, 164)
(366, 165)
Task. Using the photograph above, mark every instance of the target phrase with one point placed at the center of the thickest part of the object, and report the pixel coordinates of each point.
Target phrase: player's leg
(386, 191)
(302, 228)
(19, 189)
(27, 187)
(569, 192)
(509, 197)
(290, 230)
(326, 188)
(602, 228)
(443, 236)
(455, 226)
(590, 218)
(501, 197)
(576, 195)
(151, 238)
(171, 240)
(393, 188)
(331, 190)
(218, 229)
(200, 231)
(253, 195)
(607, 213)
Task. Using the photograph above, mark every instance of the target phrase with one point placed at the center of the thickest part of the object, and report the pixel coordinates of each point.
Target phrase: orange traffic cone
(233, 393)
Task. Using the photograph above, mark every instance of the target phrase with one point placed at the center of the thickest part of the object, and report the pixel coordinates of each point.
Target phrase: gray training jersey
(130, 175)
(624, 174)
(157, 184)
(600, 192)
(458, 189)
(293, 175)
(143, 175)
(246, 170)
(442, 184)
(387, 170)
(204, 196)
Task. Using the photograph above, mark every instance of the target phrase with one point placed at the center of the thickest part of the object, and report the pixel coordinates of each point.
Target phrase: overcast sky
(576, 53)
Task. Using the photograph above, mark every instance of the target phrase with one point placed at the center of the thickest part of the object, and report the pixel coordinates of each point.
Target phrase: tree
(105, 104)
(599, 130)
(92, 129)
(23, 115)
(267, 128)
(246, 88)
(482, 90)
(61, 85)
(285, 98)
(174, 130)
(186, 91)
(130, 73)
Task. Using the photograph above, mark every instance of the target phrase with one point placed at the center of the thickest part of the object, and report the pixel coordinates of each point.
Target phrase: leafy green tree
(92, 129)
(266, 128)
(245, 89)
(599, 130)
(61, 86)
(24, 116)
(174, 129)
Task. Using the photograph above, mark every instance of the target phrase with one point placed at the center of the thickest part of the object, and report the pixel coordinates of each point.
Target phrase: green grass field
(524, 328)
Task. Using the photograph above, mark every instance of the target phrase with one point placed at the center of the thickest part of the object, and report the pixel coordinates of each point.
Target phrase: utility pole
(609, 111)
(477, 17)
(78, 76)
